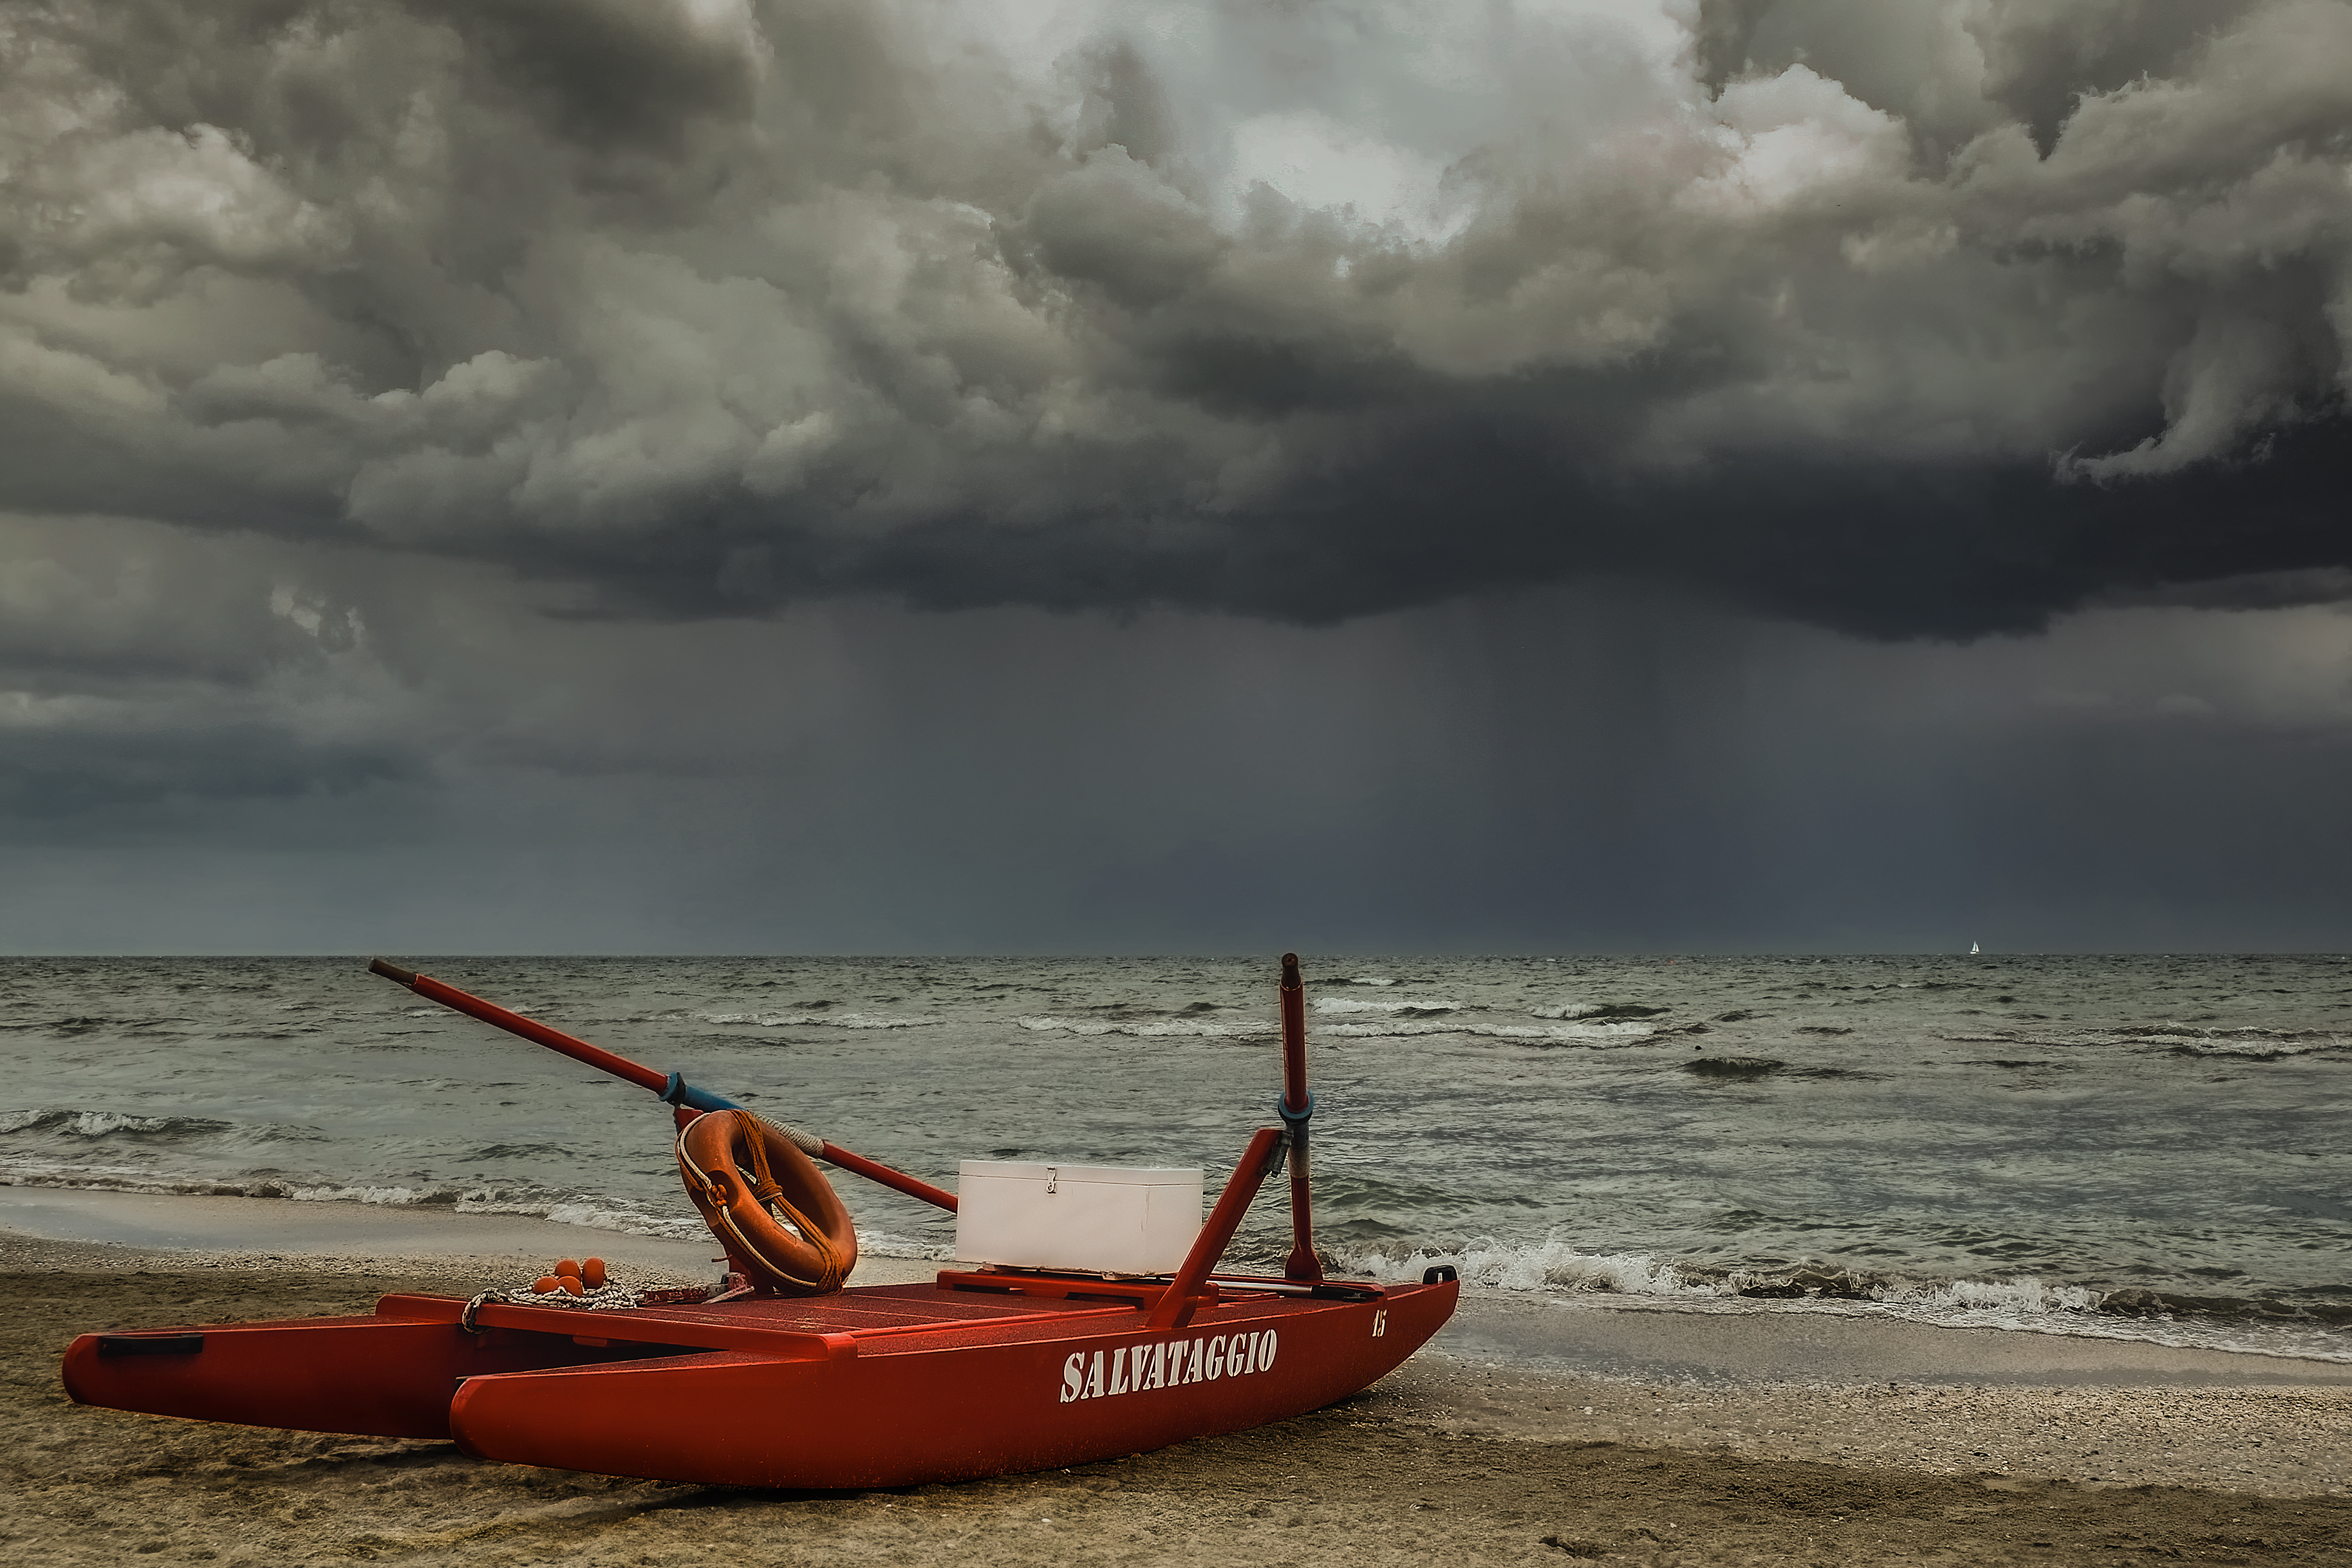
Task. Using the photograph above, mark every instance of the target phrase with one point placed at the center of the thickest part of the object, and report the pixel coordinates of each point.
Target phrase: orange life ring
(768, 1202)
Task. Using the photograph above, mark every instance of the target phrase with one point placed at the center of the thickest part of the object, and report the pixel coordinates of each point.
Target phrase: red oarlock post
(1297, 1108)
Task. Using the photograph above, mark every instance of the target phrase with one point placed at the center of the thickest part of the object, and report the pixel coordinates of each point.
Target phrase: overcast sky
(911, 474)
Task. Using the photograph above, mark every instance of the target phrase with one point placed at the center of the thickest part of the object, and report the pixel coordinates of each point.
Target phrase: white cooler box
(1103, 1220)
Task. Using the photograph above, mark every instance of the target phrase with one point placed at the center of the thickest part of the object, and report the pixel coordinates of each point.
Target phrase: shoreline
(1598, 1333)
(1709, 1451)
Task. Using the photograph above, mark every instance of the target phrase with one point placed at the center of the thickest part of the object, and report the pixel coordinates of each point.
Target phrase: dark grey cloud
(2043, 57)
(546, 473)
(76, 771)
(150, 676)
(1905, 316)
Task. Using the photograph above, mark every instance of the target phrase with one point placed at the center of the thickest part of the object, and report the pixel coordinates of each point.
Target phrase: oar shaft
(668, 1085)
(531, 1029)
(874, 1171)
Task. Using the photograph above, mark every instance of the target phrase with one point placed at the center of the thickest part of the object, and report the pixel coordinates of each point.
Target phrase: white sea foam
(2003, 1298)
(1554, 1264)
(328, 1192)
(890, 1244)
(1372, 980)
(1620, 1011)
(101, 1123)
(2026, 1303)
(1383, 1005)
(628, 1222)
(1146, 1027)
(98, 1123)
(1548, 1265)
(1615, 1031)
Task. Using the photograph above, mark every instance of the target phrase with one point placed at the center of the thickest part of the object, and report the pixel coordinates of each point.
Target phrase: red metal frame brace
(1183, 1296)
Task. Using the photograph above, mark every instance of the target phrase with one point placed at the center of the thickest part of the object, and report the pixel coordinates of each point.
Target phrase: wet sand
(1532, 1435)
(204, 1230)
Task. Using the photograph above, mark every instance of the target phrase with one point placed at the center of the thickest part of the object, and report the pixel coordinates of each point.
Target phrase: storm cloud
(1902, 316)
(642, 475)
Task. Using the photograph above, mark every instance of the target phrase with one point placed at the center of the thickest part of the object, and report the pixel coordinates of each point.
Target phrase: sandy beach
(1581, 1445)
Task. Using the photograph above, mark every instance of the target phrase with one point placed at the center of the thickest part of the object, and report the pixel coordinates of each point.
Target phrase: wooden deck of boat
(871, 1307)
(879, 1318)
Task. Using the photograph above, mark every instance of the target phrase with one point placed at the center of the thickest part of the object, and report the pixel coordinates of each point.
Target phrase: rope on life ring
(768, 1203)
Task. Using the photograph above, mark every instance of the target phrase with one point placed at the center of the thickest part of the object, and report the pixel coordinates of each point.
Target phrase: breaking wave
(1595, 1010)
(1550, 1264)
(1405, 1005)
(2309, 1325)
(891, 1244)
(1532, 1034)
(94, 1124)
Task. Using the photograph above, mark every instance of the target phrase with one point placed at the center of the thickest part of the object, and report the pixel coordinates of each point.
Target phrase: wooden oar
(672, 1088)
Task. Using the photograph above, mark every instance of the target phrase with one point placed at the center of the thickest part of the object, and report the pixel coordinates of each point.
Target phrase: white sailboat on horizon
(1974, 950)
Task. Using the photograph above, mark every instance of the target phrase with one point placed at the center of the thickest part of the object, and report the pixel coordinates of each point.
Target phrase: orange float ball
(568, 1266)
(570, 1282)
(546, 1283)
(591, 1274)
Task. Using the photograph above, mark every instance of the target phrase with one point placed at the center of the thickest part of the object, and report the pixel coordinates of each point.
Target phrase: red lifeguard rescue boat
(782, 1378)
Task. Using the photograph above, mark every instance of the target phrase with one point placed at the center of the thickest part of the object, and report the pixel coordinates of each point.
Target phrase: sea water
(2152, 1147)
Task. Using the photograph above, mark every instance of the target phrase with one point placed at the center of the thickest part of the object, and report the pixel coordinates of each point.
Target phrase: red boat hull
(884, 1386)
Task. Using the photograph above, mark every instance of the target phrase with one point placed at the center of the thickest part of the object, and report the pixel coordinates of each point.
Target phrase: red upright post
(1298, 1106)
